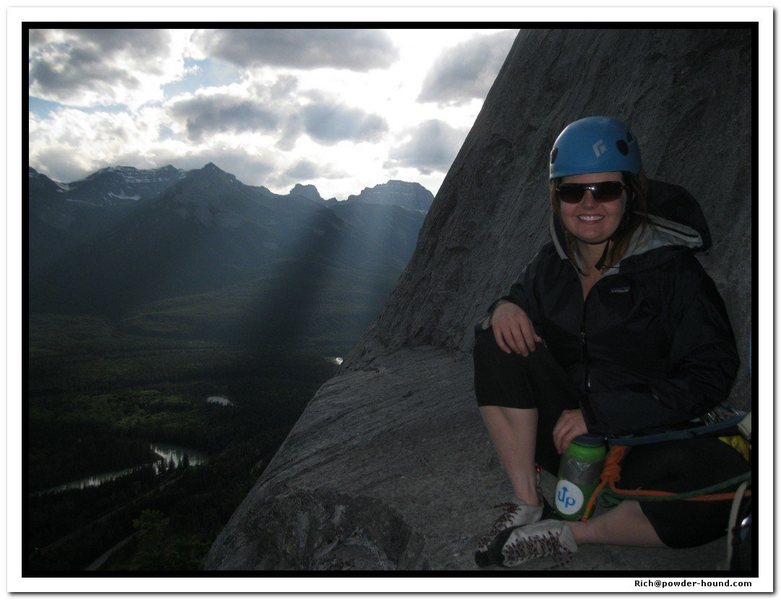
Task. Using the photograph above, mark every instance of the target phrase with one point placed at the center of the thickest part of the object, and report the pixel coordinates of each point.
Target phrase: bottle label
(569, 498)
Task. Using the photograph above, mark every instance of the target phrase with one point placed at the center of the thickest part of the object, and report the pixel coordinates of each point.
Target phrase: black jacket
(651, 346)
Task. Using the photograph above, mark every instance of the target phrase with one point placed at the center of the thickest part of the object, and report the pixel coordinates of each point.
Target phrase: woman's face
(590, 221)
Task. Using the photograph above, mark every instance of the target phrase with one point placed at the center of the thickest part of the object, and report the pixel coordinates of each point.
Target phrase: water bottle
(579, 471)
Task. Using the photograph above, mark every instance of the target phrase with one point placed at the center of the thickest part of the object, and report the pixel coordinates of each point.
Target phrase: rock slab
(396, 438)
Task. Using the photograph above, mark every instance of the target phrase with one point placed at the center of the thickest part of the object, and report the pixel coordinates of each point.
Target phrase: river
(165, 452)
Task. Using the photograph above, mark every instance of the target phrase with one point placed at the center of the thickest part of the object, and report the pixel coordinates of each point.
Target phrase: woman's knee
(486, 346)
(486, 350)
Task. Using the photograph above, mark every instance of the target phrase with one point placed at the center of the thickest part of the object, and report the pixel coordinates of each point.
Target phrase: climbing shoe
(515, 513)
(538, 540)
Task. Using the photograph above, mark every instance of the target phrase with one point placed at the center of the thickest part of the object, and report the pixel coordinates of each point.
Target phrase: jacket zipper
(584, 348)
(583, 343)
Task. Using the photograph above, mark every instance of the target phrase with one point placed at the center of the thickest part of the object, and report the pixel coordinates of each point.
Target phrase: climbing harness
(609, 493)
(721, 421)
(708, 428)
(724, 420)
(735, 429)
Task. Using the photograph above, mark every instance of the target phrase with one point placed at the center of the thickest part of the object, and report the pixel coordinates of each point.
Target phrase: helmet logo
(599, 148)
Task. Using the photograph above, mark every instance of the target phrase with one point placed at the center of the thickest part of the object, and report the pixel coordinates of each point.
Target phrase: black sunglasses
(603, 191)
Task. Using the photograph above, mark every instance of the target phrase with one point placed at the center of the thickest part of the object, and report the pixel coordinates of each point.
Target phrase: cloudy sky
(341, 109)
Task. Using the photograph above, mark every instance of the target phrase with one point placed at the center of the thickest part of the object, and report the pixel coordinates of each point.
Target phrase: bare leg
(514, 434)
(625, 525)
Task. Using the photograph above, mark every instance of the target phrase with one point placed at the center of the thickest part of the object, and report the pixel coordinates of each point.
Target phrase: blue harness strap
(706, 429)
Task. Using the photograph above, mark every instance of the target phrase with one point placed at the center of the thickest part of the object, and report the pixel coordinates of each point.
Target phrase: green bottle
(579, 471)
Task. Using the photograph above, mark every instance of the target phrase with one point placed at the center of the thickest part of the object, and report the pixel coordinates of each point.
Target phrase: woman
(613, 329)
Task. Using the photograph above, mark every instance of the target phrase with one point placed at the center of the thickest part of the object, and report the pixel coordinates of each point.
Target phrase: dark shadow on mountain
(210, 256)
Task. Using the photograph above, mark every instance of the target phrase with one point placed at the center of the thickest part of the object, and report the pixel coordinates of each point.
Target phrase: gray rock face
(330, 531)
(687, 97)
(398, 432)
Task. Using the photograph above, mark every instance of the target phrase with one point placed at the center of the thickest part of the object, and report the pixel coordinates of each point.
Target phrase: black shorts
(538, 381)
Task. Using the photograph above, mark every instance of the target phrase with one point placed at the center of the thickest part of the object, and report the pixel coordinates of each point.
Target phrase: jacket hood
(676, 223)
(676, 206)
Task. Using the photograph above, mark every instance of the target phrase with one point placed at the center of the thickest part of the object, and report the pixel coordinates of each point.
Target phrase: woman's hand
(570, 425)
(513, 329)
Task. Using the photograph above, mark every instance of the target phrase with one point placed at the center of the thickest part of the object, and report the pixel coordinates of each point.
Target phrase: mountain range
(127, 243)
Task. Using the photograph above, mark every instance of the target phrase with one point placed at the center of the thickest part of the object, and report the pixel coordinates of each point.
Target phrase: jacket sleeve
(522, 293)
(703, 363)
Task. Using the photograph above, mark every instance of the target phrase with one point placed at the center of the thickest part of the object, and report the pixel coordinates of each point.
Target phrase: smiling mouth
(590, 218)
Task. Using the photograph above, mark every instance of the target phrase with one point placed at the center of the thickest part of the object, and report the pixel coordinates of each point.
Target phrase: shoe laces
(505, 520)
(537, 545)
(509, 516)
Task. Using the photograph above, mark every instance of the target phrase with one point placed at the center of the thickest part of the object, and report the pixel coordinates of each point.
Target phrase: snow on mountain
(122, 185)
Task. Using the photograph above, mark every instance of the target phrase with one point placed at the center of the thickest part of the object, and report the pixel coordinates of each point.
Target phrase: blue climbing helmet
(594, 145)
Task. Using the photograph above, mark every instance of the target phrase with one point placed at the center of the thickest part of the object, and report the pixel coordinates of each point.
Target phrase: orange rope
(611, 473)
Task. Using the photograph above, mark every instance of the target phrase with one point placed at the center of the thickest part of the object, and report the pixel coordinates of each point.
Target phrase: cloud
(274, 126)
(68, 143)
(354, 49)
(284, 87)
(294, 127)
(62, 160)
(467, 70)
(249, 167)
(433, 146)
(303, 170)
(307, 170)
(219, 113)
(89, 67)
(61, 166)
(274, 107)
(330, 123)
